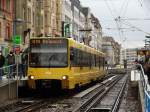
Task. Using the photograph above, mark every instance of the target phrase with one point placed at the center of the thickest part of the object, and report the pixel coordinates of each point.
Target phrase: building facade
(6, 24)
(24, 20)
(73, 15)
(67, 17)
(38, 18)
(84, 26)
(96, 33)
(130, 55)
(88, 27)
(112, 50)
(52, 15)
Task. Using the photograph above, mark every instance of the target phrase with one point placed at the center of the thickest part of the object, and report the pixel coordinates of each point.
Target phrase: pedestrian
(147, 68)
(24, 63)
(20, 64)
(11, 63)
(2, 62)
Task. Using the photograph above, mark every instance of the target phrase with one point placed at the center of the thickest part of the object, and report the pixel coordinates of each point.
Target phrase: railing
(10, 75)
(145, 87)
(7, 71)
(10, 72)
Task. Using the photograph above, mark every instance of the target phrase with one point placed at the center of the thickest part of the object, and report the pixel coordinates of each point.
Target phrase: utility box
(135, 75)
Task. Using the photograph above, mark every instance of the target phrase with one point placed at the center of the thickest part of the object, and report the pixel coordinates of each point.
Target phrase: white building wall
(76, 22)
(67, 15)
(81, 26)
(128, 54)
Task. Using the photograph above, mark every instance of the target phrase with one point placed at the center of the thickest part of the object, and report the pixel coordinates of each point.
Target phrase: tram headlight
(31, 77)
(65, 77)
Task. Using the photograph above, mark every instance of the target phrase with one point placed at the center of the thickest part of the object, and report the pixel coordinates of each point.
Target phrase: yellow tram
(63, 62)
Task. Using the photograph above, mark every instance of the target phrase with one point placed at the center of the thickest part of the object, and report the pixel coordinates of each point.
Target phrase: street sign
(17, 40)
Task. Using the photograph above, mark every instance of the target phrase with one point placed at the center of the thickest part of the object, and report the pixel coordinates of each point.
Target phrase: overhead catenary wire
(125, 8)
(122, 6)
(106, 2)
(139, 29)
(142, 5)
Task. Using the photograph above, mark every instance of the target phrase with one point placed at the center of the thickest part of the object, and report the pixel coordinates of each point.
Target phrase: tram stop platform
(9, 88)
(139, 78)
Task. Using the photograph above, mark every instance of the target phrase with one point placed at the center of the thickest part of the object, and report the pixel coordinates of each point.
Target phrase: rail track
(93, 103)
(92, 100)
(28, 105)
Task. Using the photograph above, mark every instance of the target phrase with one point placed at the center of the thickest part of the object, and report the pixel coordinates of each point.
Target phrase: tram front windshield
(48, 53)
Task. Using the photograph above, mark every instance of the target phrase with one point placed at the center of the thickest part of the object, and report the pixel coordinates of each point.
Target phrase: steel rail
(84, 107)
(118, 100)
(32, 107)
(101, 85)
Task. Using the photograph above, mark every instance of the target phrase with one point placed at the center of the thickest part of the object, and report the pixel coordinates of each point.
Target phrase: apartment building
(24, 20)
(129, 54)
(112, 50)
(96, 33)
(6, 24)
(53, 15)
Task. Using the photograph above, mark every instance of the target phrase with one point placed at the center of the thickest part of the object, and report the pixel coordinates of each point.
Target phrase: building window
(0, 31)
(24, 14)
(8, 32)
(8, 5)
(68, 5)
(33, 19)
(0, 7)
(29, 15)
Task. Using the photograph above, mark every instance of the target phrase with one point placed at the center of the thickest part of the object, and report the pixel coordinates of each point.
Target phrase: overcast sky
(133, 11)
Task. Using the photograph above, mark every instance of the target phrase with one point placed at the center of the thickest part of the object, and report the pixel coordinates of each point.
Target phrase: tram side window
(73, 56)
(80, 58)
(93, 60)
(83, 58)
(77, 58)
(99, 62)
(86, 59)
(103, 62)
(89, 60)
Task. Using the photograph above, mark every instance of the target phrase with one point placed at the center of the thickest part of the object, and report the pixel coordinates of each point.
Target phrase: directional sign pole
(17, 42)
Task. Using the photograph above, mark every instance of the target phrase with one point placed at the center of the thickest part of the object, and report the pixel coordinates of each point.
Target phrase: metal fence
(13, 71)
(9, 78)
(8, 72)
(145, 88)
